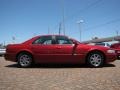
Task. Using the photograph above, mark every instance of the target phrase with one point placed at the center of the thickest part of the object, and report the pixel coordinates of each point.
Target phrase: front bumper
(118, 54)
(111, 57)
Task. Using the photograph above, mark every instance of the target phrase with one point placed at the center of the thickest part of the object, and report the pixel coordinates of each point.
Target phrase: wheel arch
(98, 51)
(24, 51)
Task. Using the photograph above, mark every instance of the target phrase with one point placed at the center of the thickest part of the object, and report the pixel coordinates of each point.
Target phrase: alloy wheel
(24, 60)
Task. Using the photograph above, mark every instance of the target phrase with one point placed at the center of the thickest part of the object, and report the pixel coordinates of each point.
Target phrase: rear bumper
(10, 57)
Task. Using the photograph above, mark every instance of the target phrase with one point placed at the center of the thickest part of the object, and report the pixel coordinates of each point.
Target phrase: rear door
(43, 49)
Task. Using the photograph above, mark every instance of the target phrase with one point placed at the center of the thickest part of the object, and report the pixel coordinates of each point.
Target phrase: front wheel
(24, 60)
(95, 59)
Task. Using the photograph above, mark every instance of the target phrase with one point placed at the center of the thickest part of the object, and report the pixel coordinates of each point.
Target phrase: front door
(65, 50)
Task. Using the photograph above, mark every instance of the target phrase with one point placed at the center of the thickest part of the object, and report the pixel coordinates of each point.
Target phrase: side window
(63, 40)
(46, 40)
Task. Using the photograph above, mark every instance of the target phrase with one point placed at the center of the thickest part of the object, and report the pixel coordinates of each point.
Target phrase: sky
(23, 19)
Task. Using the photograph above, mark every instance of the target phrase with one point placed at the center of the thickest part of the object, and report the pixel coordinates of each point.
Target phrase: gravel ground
(54, 77)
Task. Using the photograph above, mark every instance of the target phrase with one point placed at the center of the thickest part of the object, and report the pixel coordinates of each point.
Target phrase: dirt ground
(59, 77)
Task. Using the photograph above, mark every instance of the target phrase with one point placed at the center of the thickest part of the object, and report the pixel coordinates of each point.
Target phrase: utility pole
(63, 16)
(79, 24)
(13, 39)
(60, 28)
(48, 30)
(4, 44)
(117, 32)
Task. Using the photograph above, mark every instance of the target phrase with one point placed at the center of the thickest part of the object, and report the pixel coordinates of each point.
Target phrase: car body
(58, 49)
(2, 51)
(116, 46)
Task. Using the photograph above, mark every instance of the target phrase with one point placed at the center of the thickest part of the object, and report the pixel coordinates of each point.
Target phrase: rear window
(43, 40)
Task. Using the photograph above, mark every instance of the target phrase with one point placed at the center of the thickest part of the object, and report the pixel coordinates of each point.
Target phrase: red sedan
(58, 49)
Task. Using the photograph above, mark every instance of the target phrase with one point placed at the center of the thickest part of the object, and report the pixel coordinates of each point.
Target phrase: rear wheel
(95, 59)
(24, 60)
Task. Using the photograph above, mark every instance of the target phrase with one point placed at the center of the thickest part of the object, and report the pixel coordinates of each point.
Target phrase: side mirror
(76, 43)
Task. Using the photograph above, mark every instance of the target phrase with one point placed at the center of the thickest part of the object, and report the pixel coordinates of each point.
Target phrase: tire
(95, 59)
(24, 60)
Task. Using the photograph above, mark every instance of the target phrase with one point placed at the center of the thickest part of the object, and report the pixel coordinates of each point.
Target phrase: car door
(43, 49)
(64, 50)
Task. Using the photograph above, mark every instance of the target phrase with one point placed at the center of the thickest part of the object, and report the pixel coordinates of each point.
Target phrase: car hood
(93, 46)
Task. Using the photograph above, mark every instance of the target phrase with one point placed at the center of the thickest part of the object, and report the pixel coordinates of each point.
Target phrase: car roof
(52, 35)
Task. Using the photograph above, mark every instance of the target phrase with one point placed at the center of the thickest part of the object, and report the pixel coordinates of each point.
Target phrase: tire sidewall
(89, 62)
(18, 60)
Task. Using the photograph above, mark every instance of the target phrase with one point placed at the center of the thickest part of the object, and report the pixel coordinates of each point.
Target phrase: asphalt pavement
(59, 77)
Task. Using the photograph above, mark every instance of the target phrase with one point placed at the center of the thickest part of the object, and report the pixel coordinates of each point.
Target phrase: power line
(80, 11)
(104, 24)
(84, 9)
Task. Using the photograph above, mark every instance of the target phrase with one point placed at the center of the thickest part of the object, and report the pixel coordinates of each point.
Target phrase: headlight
(110, 51)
